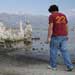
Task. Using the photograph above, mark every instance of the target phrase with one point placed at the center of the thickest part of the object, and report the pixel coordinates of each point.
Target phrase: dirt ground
(22, 65)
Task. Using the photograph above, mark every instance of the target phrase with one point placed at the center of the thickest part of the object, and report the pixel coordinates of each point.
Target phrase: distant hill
(37, 21)
(13, 20)
(71, 21)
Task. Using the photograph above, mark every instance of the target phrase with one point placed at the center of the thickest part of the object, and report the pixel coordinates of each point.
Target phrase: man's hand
(48, 40)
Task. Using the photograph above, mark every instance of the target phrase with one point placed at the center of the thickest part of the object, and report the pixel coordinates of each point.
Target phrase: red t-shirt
(59, 21)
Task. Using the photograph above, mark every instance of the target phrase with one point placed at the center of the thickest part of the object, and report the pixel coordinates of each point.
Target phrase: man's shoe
(53, 68)
(69, 69)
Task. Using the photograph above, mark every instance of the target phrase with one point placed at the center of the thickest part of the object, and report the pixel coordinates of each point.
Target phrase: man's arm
(50, 31)
(66, 21)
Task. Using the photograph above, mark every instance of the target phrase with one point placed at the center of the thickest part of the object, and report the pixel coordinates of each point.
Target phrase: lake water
(40, 49)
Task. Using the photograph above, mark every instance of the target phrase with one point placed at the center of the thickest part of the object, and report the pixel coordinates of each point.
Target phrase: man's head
(53, 8)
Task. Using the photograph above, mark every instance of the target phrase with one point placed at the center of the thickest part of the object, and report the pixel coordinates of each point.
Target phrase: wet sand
(22, 65)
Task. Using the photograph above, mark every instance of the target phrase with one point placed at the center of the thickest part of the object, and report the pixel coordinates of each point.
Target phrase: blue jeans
(59, 43)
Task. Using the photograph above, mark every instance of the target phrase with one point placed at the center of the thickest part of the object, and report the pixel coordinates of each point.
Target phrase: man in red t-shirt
(57, 37)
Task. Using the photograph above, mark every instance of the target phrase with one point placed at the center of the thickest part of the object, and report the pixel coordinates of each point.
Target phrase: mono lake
(40, 49)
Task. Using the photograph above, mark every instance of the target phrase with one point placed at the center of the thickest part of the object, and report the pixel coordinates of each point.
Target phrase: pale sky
(37, 7)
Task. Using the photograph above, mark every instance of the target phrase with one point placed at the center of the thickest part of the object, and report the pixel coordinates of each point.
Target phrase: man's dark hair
(53, 8)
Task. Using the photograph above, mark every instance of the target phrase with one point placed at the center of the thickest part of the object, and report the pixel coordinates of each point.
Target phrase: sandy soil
(22, 65)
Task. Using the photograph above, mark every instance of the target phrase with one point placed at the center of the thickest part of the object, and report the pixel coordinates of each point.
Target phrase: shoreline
(20, 65)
